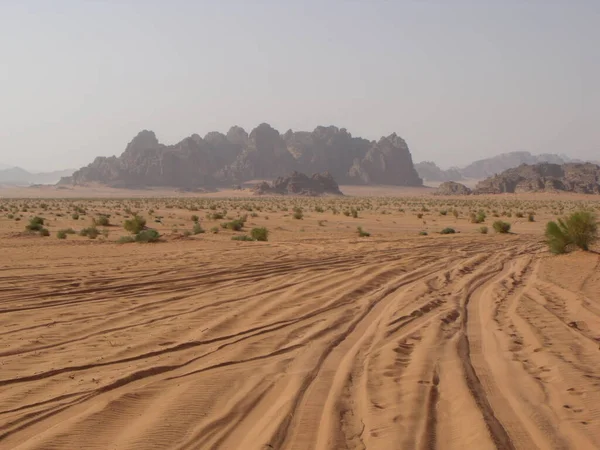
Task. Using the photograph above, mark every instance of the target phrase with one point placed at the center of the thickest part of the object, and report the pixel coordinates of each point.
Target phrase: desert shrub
(519, 214)
(75, 216)
(298, 214)
(44, 232)
(443, 212)
(478, 218)
(90, 232)
(35, 224)
(195, 218)
(235, 225)
(501, 227)
(423, 233)
(217, 216)
(101, 220)
(241, 237)
(354, 212)
(321, 223)
(149, 235)
(580, 229)
(197, 229)
(260, 234)
(319, 209)
(483, 230)
(126, 239)
(362, 233)
(448, 231)
(214, 230)
(135, 225)
(419, 215)
(61, 234)
(531, 218)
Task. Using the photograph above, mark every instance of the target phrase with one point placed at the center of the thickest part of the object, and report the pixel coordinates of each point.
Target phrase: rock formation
(300, 184)
(583, 178)
(387, 162)
(452, 188)
(236, 157)
(429, 171)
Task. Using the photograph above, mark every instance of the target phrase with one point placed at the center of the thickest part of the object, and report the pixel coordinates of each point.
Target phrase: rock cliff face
(236, 157)
(572, 177)
(429, 171)
(452, 188)
(387, 162)
(300, 184)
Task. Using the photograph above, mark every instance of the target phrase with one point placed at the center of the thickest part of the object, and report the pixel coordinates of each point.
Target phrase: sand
(317, 339)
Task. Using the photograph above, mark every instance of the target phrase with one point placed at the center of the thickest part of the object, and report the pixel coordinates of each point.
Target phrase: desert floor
(316, 339)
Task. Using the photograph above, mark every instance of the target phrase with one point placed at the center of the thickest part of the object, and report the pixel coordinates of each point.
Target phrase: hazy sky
(459, 80)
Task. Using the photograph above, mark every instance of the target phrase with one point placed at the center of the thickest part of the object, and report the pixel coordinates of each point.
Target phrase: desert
(356, 324)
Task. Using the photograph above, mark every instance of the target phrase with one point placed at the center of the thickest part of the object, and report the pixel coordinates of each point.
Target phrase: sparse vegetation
(501, 227)
(260, 234)
(135, 225)
(580, 229)
(448, 231)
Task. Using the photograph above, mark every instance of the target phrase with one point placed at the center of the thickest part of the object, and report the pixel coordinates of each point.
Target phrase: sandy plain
(316, 339)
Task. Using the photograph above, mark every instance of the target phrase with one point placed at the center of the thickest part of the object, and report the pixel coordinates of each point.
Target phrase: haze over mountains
(18, 176)
(224, 159)
(220, 159)
(487, 167)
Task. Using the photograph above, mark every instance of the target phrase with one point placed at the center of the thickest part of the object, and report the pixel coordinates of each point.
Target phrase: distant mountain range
(17, 176)
(488, 167)
(219, 159)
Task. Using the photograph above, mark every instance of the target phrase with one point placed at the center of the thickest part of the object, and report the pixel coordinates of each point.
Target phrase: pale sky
(459, 80)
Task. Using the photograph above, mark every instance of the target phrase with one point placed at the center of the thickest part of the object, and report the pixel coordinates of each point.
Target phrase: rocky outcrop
(300, 184)
(452, 188)
(583, 178)
(488, 167)
(236, 157)
(429, 171)
(387, 162)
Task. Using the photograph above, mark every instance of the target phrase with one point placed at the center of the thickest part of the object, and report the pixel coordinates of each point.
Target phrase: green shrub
(148, 235)
(531, 218)
(519, 214)
(235, 225)
(362, 233)
(44, 232)
(214, 230)
(195, 218)
(478, 218)
(135, 225)
(448, 231)
(126, 239)
(501, 227)
(35, 224)
(241, 237)
(580, 229)
(483, 230)
(102, 220)
(62, 234)
(260, 234)
(75, 216)
(197, 228)
(90, 232)
(298, 214)
(423, 233)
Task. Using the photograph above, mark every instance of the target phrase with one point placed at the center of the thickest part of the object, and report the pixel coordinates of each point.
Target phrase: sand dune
(408, 344)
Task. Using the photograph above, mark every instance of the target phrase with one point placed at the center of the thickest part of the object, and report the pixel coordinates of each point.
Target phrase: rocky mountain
(452, 188)
(491, 166)
(18, 176)
(429, 171)
(224, 159)
(581, 178)
(300, 184)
